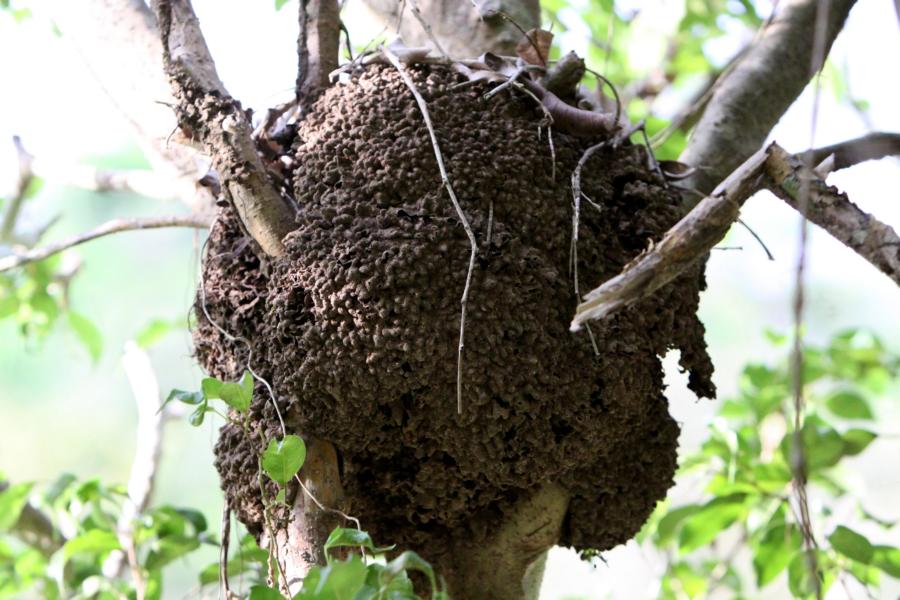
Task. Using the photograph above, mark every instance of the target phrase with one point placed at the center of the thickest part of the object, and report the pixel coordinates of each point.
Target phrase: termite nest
(357, 326)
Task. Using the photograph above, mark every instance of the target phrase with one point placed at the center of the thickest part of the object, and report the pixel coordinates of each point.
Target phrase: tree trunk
(462, 28)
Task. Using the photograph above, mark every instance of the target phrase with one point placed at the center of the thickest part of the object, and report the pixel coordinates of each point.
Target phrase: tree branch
(463, 28)
(753, 96)
(508, 565)
(688, 240)
(145, 389)
(831, 210)
(708, 222)
(301, 543)
(108, 228)
(119, 43)
(26, 174)
(852, 152)
(206, 112)
(318, 47)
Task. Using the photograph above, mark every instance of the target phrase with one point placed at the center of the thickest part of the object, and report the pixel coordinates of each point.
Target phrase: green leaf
(279, 4)
(192, 398)
(851, 544)
(283, 458)
(196, 417)
(58, 487)
(669, 524)
(340, 580)
(887, 558)
(153, 332)
(799, 580)
(774, 551)
(194, 517)
(95, 541)
(409, 560)
(168, 549)
(9, 305)
(12, 500)
(716, 516)
(849, 405)
(238, 395)
(87, 333)
(211, 388)
(857, 440)
(342, 537)
(262, 592)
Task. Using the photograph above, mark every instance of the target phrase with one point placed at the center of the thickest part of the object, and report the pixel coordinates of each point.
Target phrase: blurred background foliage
(728, 529)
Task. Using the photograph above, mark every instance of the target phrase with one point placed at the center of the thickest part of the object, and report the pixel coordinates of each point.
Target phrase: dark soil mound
(357, 330)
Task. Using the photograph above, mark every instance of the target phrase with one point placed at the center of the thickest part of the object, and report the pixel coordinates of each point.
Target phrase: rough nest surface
(357, 330)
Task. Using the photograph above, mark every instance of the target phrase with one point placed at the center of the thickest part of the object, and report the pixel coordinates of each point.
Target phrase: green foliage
(745, 466)
(283, 458)
(238, 395)
(83, 520)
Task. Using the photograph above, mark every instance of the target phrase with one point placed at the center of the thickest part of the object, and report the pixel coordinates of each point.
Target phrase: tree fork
(209, 114)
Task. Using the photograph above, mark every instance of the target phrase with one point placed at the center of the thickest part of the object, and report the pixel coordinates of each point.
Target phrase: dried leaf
(676, 171)
(534, 48)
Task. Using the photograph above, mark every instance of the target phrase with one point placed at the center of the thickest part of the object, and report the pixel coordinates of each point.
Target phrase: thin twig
(576, 196)
(798, 458)
(426, 26)
(757, 238)
(223, 550)
(511, 80)
(445, 180)
(108, 228)
(11, 214)
(490, 223)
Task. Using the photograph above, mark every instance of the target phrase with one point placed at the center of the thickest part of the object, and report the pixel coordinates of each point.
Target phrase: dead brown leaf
(534, 48)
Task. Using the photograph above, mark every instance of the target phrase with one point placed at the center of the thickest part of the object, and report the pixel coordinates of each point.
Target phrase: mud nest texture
(357, 327)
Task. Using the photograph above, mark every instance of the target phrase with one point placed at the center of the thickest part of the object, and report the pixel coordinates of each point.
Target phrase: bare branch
(119, 43)
(26, 174)
(301, 543)
(852, 152)
(108, 228)
(688, 240)
(207, 113)
(318, 47)
(708, 222)
(831, 210)
(145, 389)
(749, 99)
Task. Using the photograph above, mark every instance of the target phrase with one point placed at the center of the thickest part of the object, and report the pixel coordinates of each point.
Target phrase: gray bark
(207, 113)
(463, 29)
(752, 97)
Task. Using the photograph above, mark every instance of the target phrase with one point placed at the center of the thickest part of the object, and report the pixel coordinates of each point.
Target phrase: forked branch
(708, 222)
(750, 98)
(207, 113)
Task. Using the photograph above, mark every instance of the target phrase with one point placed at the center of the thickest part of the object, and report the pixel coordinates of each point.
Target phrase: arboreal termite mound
(357, 327)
